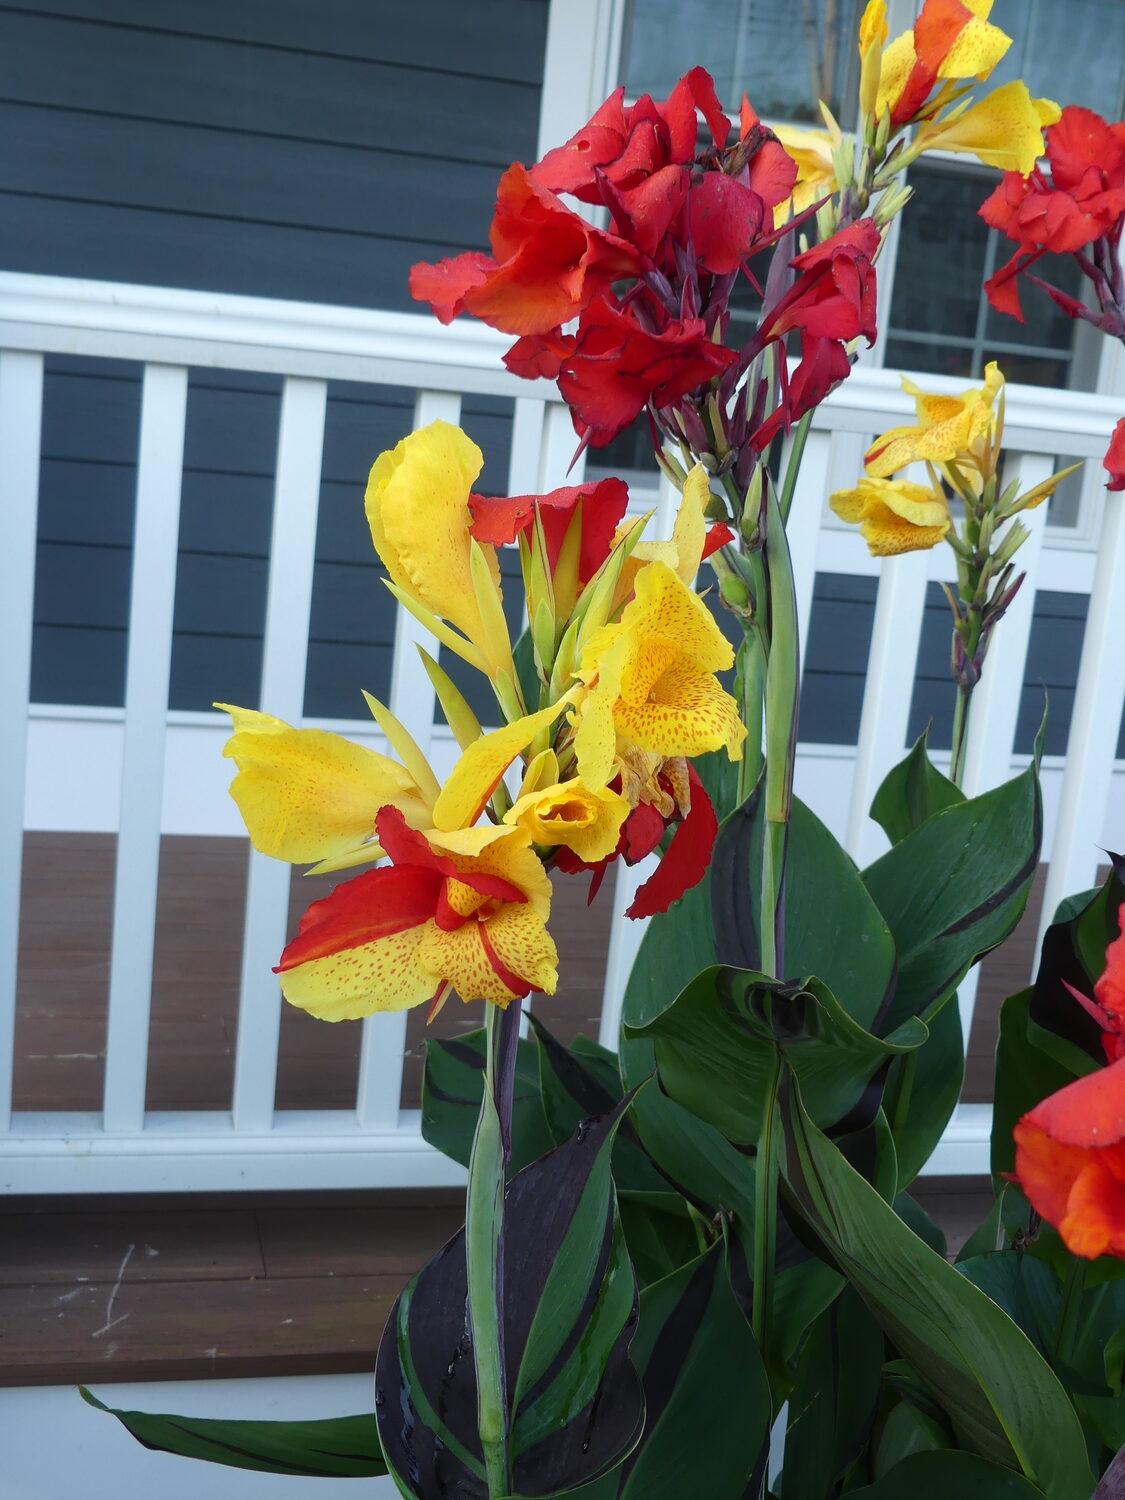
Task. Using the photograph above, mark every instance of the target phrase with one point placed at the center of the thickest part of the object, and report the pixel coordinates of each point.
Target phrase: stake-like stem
(484, 1241)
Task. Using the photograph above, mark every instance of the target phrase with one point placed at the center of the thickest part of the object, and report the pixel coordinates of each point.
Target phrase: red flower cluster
(1074, 206)
(1070, 1149)
(652, 294)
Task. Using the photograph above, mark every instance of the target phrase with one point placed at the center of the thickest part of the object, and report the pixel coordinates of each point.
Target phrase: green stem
(793, 467)
(782, 679)
(484, 1218)
(960, 733)
(751, 671)
(765, 1210)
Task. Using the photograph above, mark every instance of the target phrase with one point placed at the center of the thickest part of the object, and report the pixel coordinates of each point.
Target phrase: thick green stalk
(484, 1218)
(782, 678)
(793, 467)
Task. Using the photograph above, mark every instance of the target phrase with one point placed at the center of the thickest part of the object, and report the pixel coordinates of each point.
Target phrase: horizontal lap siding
(271, 148)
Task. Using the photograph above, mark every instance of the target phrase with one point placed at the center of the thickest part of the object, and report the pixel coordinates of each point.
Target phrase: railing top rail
(60, 315)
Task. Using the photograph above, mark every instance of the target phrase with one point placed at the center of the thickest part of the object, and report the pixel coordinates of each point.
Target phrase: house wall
(277, 148)
(270, 147)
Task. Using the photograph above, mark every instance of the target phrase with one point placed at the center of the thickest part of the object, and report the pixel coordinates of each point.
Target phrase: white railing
(147, 771)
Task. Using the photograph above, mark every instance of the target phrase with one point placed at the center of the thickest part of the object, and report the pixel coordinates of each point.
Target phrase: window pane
(784, 55)
(1069, 50)
(941, 259)
(940, 320)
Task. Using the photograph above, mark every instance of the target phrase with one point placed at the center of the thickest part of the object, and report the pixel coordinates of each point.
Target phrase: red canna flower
(824, 364)
(1070, 1161)
(1114, 462)
(1082, 200)
(1070, 1149)
(834, 295)
(626, 145)
(500, 520)
(546, 264)
(617, 367)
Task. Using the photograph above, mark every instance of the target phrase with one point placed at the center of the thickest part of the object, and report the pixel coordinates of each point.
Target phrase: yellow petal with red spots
(307, 794)
(386, 974)
(685, 713)
(417, 506)
(475, 776)
(497, 959)
(894, 515)
(1004, 129)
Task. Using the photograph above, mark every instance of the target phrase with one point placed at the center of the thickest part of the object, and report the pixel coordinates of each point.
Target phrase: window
(785, 54)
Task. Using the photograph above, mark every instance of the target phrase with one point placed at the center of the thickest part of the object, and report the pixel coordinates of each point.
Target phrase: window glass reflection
(785, 55)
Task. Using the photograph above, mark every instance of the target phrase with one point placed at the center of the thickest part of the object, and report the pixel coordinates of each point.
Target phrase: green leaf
(707, 1399)
(715, 1048)
(834, 1399)
(660, 1233)
(1002, 1399)
(1024, 1287)
(332, 1448)
(452, 1088)
(945, 1474)
(915, 1217)
(833, 928)
(1025, 1074)
(568, 1306)
(955, 887)
(912, 792)
(988, 1236)
(923, 1089)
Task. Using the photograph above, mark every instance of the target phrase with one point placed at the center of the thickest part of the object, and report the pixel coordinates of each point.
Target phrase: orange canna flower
(1070, 1161)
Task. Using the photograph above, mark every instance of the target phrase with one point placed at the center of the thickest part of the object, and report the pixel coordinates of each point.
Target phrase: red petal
(725, 218)
(1088, 1112)
(407, 847)
(643, 830)
(1114, 460)
(538, 356)
(720, 535)
(376, 904)
(445, 285)
(685, 860)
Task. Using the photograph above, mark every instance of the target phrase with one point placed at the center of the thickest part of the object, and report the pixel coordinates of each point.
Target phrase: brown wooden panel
(146, 1244)
(363, 1241)
(153, 1330)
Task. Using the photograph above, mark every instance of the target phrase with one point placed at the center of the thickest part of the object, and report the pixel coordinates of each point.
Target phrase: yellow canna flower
(650, 680)
(872, 39)
(949, 428)
(814, 153)
(1004, 129)
(894, 515)
(569, 813)
(417, 505)
(307, 794)
(684, 552)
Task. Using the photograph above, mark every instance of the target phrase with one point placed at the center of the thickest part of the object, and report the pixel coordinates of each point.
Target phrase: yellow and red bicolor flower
(462, 911)
(650, 680)
(306, 794)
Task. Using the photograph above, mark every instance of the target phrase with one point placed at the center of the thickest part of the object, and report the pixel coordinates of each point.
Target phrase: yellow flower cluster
(627, 691)
(958, 439)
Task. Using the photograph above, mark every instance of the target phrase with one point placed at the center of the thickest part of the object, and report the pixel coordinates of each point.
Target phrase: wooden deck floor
(64, 971)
